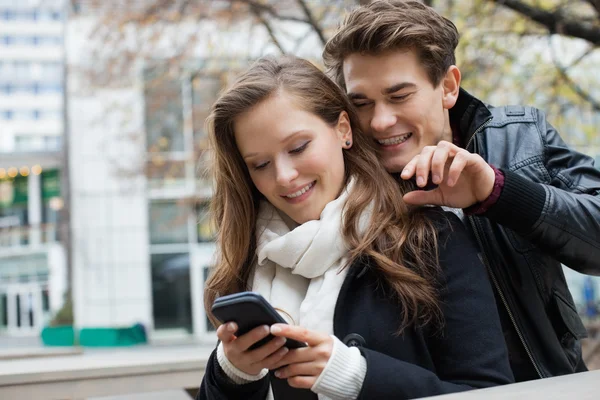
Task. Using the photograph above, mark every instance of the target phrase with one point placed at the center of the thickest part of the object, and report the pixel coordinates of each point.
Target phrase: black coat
(468, 352)
(548, 213)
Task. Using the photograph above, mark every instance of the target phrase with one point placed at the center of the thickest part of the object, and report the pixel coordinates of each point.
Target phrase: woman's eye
(261, 166)
(359, 105)
(299, 149)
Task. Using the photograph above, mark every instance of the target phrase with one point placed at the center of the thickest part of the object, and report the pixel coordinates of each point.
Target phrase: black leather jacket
(548, 213)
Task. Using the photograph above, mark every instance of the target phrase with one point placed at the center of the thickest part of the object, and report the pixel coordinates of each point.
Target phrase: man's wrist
(483, 206)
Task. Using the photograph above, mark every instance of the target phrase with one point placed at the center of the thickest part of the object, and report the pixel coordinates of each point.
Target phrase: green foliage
(506, 58)
(64, 316)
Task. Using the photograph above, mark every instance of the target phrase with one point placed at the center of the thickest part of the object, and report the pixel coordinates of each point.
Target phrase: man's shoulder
(513, 114)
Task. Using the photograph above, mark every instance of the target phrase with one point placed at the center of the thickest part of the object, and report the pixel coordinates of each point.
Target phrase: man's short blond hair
(388, 25)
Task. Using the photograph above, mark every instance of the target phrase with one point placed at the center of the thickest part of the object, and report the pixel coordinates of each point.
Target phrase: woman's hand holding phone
(302, 367)
(251, 361)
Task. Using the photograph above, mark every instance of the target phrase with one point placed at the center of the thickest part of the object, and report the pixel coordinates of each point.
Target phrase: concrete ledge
(103, 373)
(581, 386)
(37, 352)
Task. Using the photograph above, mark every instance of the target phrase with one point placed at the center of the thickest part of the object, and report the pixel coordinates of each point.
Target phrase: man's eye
(299, 149)
(400, 98)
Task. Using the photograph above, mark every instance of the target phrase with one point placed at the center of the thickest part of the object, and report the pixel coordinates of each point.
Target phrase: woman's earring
(348, 143)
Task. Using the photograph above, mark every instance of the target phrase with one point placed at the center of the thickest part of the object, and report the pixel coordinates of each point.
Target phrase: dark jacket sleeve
(468, 351)
(561, 216)
(217, 386)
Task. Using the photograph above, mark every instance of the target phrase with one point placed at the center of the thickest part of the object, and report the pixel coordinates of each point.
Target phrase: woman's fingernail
(435, 178)
(275, 329)
(231, 327)
(281, 341)
(420, 181)
(278, 374)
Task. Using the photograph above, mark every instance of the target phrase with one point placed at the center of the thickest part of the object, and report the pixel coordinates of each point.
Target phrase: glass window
(29, 143)
(3, 310)
(26, 115)
(163, 112)
(209, 325)
(51, 71)
(206, 230)
(205, 90)
(169, 222)
(8, 15)
(22, 70)
(50, 87)
(164, 173)
(52, 143)
(171, 296)
(45, 299)
(18, 309)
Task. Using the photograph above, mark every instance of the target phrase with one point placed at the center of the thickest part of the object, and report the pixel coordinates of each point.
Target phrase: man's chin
(393, 166)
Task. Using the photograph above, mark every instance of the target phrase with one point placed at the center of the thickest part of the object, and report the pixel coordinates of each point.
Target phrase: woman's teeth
(301, 191)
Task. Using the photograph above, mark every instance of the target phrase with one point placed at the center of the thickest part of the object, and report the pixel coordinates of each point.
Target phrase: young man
(531, 202)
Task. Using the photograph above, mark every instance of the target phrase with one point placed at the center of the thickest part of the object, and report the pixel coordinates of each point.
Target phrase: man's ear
(450, 86)
(344, 130)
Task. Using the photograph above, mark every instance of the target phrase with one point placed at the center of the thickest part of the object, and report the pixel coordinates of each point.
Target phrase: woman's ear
(344, 130)
(451, 87)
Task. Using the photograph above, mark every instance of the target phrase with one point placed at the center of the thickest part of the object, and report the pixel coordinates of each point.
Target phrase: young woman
(392, 302)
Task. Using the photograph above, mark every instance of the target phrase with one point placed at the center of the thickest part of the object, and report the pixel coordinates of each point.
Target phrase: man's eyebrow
(356, 96)
(389, 90)
(397, 87)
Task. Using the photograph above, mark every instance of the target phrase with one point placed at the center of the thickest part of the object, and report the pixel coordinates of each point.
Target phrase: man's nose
(383, 118)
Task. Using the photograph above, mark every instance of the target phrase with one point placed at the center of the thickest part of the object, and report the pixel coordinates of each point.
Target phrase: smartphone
(250, 310)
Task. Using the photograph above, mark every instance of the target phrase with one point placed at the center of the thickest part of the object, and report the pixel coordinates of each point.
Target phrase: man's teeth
(301, 191)
(395, 140)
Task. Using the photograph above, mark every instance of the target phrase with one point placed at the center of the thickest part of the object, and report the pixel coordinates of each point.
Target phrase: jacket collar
(468, 115)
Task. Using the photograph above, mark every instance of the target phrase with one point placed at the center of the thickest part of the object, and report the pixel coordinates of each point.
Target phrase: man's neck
(456, 135)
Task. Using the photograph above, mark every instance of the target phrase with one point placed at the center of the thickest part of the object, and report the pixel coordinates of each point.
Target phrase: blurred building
(142, 245)
(32, 258)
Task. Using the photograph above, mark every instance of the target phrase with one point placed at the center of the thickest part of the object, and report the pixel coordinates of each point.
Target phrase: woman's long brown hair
(399, 242)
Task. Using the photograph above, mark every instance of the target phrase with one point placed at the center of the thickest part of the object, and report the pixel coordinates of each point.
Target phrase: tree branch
(311, 21)
(562, 71)
(595, 4)
(257, 12)
(271, 11)
(556, 21)
(582, 56)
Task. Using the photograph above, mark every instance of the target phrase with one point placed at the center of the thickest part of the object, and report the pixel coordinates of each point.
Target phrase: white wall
(109, 214)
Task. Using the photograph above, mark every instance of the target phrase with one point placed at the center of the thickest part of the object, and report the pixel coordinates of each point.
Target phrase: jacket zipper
(479, 129)
(504, 302)
(493, 276)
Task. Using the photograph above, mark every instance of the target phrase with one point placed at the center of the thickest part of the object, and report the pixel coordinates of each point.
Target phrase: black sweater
(468, 352)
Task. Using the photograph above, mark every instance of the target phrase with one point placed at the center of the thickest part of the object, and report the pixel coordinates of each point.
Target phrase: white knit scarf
(299, 271)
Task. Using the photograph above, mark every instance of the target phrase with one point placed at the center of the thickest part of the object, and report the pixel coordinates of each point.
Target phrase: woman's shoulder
(444, 221)
(452, 232)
